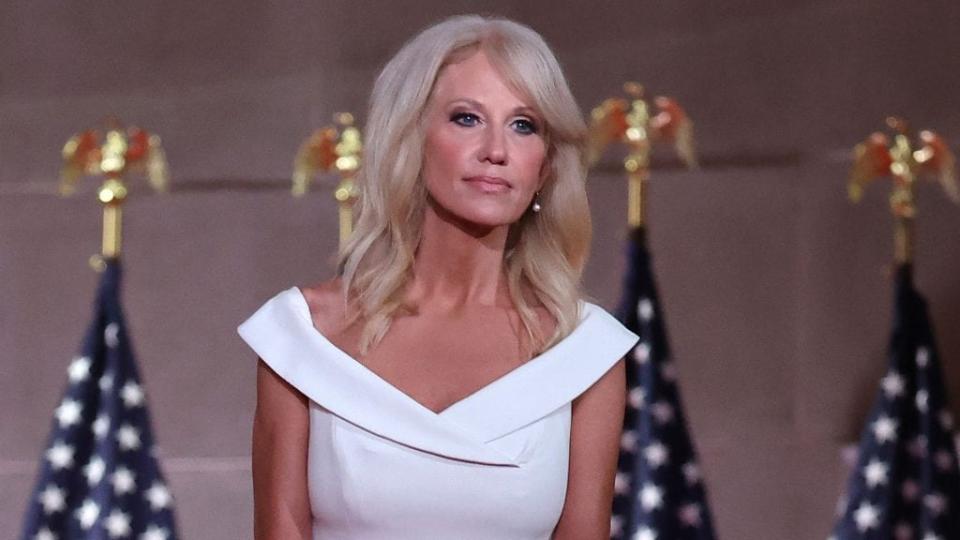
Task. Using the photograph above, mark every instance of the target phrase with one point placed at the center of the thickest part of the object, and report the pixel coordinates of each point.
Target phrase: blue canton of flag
(905, 485)
(658, 494)
(99, 477)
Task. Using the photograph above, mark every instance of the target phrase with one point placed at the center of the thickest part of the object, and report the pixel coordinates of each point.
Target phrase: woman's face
(484, 146)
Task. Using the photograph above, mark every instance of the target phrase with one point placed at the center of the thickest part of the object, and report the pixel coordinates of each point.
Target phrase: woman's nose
(494, 148)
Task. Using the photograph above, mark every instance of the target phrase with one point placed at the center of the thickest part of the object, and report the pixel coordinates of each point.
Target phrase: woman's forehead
(475, 79)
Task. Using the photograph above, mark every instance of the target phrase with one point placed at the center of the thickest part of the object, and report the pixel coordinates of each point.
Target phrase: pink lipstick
(489, 184)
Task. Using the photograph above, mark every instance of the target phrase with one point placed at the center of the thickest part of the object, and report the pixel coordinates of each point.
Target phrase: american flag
(659, 492)
(905, 484)
(99, 477)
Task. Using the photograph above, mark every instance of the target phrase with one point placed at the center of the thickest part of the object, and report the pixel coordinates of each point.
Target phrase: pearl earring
(536, 207)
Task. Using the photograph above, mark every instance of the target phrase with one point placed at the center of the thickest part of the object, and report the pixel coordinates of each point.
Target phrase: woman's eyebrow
(527, 110)
(468, 101)
(519, 109)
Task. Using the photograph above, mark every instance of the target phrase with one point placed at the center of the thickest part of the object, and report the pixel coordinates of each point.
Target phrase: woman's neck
(457, 264)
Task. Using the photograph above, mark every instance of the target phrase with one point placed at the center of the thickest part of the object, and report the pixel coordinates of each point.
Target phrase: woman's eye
(525, 126)
(465, 119)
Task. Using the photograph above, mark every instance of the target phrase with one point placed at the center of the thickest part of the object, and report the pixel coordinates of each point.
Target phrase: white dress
(382, 466)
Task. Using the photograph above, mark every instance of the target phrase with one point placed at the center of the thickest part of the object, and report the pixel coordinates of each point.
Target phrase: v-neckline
(305, 311)
(282, 334)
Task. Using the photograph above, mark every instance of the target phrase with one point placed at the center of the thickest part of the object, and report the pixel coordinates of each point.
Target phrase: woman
(449, 383)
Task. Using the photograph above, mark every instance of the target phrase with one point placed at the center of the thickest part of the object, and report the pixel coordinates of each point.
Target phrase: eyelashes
(465, 119)
(525, 126)
(522, 125)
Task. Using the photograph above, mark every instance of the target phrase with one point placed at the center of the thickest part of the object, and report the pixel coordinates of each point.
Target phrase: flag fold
(659, 493)
(99, 477)
(905, 484)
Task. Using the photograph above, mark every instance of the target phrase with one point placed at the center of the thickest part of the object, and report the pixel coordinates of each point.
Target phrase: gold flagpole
(637, 162)
(630, 122)
(113, 152)
(339, 148)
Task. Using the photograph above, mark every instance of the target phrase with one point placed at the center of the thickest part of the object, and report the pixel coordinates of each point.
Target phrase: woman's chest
(439, 363)
(360, 481)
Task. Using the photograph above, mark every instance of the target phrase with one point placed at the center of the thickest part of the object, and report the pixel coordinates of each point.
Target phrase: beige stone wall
(777, 290)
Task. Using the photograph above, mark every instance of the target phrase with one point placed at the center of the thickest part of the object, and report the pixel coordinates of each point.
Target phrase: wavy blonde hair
(545, 251)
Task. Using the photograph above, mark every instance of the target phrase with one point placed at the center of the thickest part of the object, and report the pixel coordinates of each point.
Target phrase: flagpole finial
(629, 121)
(97, 263)
(332, 148)
(112, 151)
(905, 158)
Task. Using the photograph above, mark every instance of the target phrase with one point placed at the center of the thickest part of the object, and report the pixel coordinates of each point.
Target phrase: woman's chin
(480, 218)
(490, 220)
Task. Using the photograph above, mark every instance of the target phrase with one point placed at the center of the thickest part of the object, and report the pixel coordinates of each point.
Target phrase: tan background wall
(777, 290)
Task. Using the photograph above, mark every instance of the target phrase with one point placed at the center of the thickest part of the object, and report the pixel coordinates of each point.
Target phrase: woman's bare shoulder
(327, 305)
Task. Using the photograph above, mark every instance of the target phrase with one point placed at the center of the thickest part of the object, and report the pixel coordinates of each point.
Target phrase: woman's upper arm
(594, 446)
(280, 437)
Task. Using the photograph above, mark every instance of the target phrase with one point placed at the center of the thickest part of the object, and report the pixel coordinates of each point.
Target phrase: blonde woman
(449, 383)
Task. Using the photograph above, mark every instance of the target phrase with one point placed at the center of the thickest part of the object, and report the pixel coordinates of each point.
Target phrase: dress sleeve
(589, 351)
(604, 341)
(282, 334)
(276, 333)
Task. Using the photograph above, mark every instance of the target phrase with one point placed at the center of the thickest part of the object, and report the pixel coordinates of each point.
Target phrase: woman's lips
(489, 184)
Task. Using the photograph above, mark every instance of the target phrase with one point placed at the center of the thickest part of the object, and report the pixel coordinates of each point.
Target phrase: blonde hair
(545, 252)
